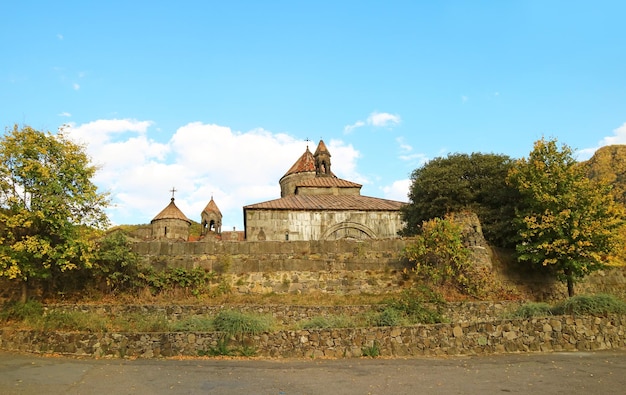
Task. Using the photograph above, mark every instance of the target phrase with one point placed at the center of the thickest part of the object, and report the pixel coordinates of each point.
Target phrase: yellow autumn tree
(49, 207)
(565, 222)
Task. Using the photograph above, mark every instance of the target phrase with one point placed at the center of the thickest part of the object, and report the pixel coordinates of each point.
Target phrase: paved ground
(555, 373)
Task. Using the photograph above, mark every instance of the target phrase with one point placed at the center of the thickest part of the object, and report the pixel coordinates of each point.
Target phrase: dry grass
(184, 298)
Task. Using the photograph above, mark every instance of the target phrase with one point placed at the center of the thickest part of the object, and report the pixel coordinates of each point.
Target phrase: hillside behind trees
(608, 164)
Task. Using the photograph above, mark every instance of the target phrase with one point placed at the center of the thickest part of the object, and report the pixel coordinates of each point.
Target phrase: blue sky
(217, 98)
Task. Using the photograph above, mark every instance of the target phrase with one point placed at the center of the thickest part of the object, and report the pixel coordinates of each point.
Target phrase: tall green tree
(565, 222)
(49, 207)
(475, 182)
(116, 263)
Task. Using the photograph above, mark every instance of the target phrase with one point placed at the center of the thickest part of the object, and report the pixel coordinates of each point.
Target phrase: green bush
(29, 311)
(410, 304)
(389, 317)
(233, 323)
(371, 351)
(195, 281)
(193, 324)
(221, 349)
(530, 310)
(595, 305)
(116, 264)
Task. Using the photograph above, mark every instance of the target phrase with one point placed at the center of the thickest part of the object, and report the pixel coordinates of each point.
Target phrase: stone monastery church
(314, 204)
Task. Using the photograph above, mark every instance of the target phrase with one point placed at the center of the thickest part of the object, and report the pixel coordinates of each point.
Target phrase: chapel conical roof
(211, 207)
(306, 163)
(171, 212)
(321, 149)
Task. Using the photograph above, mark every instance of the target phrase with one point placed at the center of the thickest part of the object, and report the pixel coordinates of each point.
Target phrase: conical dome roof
(306, 163)
(171, 212)
(211, 207)
(321, 149)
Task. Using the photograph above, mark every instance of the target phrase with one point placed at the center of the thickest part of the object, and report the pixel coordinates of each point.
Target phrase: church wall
(288, 183)
(316, 225)
(170, 229)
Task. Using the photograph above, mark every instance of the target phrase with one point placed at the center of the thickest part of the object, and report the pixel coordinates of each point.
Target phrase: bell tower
(322, 161)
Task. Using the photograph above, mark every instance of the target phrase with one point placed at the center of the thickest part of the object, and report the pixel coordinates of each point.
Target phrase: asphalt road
(552, 373)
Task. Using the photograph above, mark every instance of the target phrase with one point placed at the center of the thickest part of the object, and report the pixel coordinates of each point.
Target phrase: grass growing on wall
(599, 305)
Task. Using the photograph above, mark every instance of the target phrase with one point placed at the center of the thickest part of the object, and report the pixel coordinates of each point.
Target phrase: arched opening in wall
(348, 230)
(212, 226)
(165, 231)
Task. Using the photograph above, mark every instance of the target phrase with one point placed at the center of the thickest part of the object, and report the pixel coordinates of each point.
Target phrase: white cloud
(344, 159)
(464, 99)
(404, 146)
(618, 137)
(375, 119)
(75, 86)
(65, 114)
(350, 128)
(398, 190)
(99, 133)
(127, 159)
(418, 159)
(407, 154)
(383, 119)
(200, 161)
(60, 36)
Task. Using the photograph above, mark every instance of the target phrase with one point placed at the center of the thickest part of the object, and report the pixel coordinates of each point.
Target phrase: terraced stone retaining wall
(562, 333)
(474, 328)
(290, 315)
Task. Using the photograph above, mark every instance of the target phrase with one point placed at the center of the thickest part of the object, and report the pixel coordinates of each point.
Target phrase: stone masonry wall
(343, 266)
(559, 333)
(288, 315)
(297, 267)
(272, 256)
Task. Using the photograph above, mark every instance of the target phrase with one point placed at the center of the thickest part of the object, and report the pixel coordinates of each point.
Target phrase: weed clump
(594, 305)
(30, 311)
(371, 351)
(327, 322)
(530, 310)
(234, 323)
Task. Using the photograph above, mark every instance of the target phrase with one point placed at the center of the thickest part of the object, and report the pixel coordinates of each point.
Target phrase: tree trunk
(570, 286)
(24, 291)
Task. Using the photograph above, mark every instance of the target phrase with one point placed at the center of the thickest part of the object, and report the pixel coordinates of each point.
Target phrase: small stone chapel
(170, 223)
(317, 205)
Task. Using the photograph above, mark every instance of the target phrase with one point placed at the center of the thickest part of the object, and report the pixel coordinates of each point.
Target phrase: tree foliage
(116, 263)
(565, 222)
(439, 255)
(475, 182)
(49, 207)
(608, 165)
